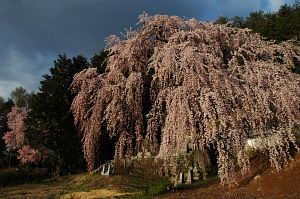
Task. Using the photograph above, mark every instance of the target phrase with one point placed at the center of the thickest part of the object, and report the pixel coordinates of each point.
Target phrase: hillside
(270, 184)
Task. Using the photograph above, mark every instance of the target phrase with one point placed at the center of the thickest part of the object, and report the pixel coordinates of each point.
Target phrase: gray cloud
(34, 32)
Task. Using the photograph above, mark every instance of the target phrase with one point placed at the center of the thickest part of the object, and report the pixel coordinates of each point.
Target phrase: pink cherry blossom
(15, 137)
(28, 155)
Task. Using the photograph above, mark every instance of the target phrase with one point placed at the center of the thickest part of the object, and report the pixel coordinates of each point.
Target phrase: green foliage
(5, 107)
(151, 188)
(20, 97)
(99, 61)
(222, 20)
(2, 102)
(279, 26)
(199, 183)
(50, 125)
(159, 187)
(238, 22)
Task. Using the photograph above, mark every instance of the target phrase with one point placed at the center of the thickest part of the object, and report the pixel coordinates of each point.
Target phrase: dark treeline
(279, 26)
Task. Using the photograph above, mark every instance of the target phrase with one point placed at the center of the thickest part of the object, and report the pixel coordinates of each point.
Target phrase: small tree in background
(20, 97)
(15, 138)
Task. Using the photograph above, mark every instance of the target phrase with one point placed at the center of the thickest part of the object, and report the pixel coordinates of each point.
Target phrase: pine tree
(49, 126)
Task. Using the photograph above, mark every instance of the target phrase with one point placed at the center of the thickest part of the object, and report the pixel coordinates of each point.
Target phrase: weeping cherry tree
(173, 82)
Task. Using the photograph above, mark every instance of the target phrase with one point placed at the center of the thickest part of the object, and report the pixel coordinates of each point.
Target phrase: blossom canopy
(175, 82)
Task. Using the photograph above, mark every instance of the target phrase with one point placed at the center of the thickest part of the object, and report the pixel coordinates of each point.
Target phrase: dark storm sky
(34, 32)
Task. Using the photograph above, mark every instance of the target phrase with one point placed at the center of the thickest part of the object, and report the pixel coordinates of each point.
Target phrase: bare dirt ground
(268, 185)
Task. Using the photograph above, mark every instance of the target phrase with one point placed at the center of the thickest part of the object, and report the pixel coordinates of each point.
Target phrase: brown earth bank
(268, 185)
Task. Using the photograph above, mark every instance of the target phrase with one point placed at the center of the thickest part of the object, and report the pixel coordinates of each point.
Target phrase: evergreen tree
(99, 61)
(279, 26)
(5, 107)
(221, 20)
(238, 22)
(49, 126)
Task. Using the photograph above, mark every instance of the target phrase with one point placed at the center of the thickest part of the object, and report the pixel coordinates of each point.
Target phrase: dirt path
(270, 185)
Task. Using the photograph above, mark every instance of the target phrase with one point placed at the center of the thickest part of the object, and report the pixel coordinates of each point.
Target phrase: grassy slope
(89, 186)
